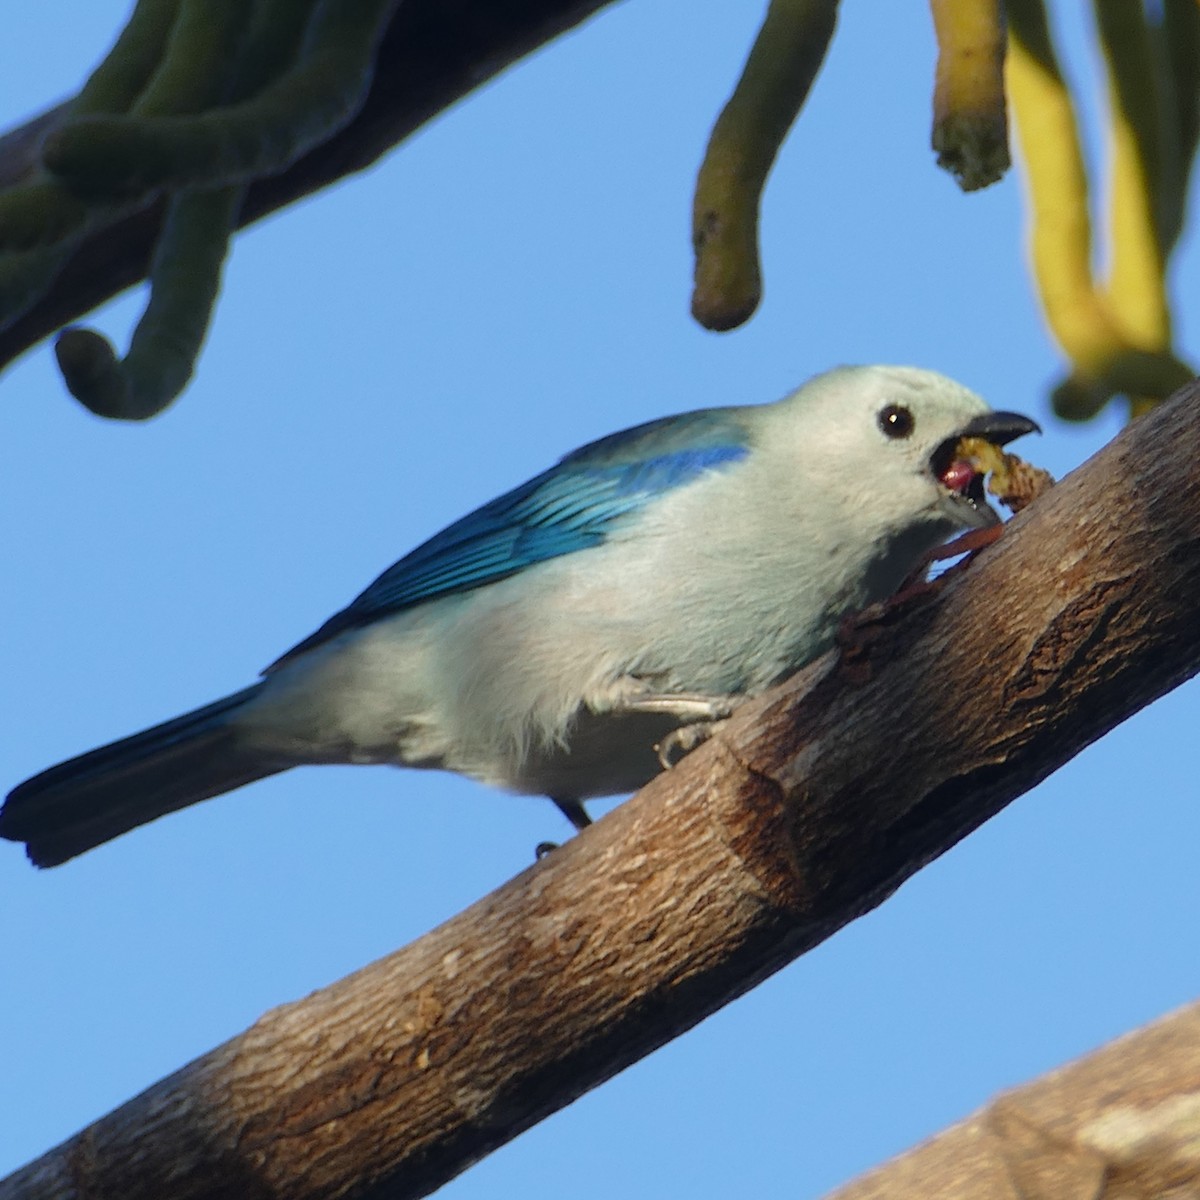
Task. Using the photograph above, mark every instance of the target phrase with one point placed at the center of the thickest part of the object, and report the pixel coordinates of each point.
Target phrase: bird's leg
(574, 811)
(698, 716)
(969, 543)
(688, 708)
(857, 632)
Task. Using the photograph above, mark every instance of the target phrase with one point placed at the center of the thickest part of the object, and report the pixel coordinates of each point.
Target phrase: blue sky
(386, 356)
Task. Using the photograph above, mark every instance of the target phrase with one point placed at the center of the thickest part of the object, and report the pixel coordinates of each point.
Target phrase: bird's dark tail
(87, 800)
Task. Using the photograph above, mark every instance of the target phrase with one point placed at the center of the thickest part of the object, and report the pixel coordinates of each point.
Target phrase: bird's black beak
(1000, 428)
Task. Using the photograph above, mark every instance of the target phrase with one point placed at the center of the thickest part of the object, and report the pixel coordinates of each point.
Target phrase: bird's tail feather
(87, 800)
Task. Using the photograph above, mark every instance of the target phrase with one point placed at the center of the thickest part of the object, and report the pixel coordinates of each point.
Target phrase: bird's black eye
(896, 421)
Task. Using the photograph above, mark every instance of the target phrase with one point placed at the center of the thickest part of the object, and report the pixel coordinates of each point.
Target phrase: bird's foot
(574, 811)
(682, 741)
(969, 543)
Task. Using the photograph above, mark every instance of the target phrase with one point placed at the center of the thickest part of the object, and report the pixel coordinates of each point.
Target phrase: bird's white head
(882, 439)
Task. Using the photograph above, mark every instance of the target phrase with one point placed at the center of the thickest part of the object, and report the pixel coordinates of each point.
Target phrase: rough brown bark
(434, 53)
(1124, 1122)
(810, 807)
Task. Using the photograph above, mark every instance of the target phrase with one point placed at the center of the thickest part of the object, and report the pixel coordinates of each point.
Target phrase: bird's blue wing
(570, 507)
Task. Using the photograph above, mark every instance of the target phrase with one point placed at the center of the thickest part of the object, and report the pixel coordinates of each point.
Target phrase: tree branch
(809, 808)
(434, 53)
(1122, 1121)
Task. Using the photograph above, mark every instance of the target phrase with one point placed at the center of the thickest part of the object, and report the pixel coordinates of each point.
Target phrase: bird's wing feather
(574, 505)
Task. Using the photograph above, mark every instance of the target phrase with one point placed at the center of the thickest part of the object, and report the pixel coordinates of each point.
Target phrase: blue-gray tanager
(550, 641)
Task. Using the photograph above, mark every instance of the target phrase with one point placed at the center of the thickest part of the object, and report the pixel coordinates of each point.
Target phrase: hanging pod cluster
(1116, 332)
(196, 99)
(200, 98)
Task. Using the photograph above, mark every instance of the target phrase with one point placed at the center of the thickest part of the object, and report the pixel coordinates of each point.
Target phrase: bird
(551, 641)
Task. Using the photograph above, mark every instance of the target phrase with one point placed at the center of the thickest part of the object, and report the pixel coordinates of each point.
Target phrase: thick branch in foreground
(809, 808)
(1124, 1121)
(434, 53)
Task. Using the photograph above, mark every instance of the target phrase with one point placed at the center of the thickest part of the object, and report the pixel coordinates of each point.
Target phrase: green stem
(184, 282)
(784, 61)
(234, 144)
